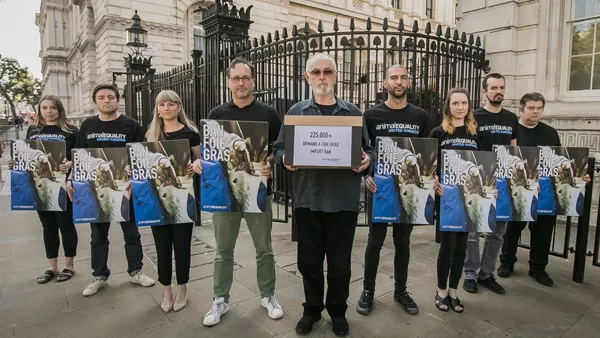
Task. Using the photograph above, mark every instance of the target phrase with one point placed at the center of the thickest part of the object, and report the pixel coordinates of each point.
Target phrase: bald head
(394, 68)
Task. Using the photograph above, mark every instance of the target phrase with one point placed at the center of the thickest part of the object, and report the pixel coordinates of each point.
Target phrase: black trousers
(451, 258)
(540, 241)
(52, 222)
(100, 243)
(323, 234)
(401, 234)
(169, 238)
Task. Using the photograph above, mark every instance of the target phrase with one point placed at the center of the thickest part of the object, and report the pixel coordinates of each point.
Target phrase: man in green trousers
(244, 107)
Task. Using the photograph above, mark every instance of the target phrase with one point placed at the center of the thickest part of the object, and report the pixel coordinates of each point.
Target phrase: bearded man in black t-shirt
(394, 118)
(495, 125)
(110, 129)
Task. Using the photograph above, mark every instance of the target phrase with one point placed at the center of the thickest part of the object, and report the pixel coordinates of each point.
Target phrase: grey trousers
(483, 266)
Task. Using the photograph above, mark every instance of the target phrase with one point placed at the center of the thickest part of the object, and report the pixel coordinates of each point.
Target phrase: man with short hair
(244, 107)
(393, 118)
(326, 205)
(532, 133)
(495, 125)
(110, 129)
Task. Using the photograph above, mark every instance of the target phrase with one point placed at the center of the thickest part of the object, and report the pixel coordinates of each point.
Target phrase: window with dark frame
(584, 65)
(397, 4)
(429, 9)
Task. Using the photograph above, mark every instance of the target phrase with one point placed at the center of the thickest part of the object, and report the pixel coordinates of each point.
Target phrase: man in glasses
(326, 206)
(393, 118)
(244, 107)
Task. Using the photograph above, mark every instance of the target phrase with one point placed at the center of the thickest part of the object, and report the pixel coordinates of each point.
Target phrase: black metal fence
(436, 59)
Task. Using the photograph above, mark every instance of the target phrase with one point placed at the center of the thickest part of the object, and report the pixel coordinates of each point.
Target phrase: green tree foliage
(17, 84)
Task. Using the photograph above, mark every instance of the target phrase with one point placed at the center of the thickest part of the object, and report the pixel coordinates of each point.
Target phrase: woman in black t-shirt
(50, 124)
(458, 131)
(171, 123)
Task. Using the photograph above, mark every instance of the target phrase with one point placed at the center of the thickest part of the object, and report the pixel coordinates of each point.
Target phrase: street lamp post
(135, 63)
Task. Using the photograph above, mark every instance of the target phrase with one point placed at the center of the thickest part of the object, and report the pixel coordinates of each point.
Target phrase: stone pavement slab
(122, 309)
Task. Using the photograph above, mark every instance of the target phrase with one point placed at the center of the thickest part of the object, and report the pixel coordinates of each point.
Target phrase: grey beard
(327, 91)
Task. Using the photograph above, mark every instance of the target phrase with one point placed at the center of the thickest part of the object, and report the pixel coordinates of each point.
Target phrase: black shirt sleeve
(424, 129)
(71, 140)
(212, 114)
(30, 131)
(515, 131)
(274, 125)
(556, 138)
(194, 139)
(80, 138)
(436, 133)
(140, 132)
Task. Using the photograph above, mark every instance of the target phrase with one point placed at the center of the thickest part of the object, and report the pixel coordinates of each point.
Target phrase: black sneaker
(305, 325)
(470, 285)
(409, 304)
(365, 303)
(491, 284)
(505, 270)
(340, 326)
(542, 278)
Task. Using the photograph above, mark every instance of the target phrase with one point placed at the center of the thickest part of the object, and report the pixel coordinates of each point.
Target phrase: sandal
(46, 277)
(64, 275)
(439, 301)
(455, 302)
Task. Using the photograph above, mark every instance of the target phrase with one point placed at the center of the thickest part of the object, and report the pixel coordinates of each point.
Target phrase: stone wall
(528, 41)
(84, 41)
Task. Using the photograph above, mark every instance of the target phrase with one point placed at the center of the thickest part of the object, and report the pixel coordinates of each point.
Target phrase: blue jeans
(483, 266)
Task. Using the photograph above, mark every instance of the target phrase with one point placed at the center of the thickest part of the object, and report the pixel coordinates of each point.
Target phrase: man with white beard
(326, 206)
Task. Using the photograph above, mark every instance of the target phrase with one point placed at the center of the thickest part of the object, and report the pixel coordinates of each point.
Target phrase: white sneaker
(140, 278)
(96, 284)
(273, 308)
(219, 308)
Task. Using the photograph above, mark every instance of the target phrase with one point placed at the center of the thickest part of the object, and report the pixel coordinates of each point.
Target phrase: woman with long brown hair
(458, 131)
(171, 123)
(50, 123)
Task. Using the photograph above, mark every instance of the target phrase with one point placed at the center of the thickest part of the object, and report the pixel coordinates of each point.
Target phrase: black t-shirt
(326, 109)
(410, 121)
(496, 128)
(540, 135)
(255, 111)
(459, 140)
(95, 133)
(184, 133)
(54, 133)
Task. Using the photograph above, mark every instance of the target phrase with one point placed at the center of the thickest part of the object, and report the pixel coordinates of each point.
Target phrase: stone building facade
(84, 41)
(547, 46)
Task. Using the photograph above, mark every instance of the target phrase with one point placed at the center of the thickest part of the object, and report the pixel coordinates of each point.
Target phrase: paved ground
(125, 310)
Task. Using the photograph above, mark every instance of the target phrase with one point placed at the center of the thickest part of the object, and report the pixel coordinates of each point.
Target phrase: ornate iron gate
(437, 60)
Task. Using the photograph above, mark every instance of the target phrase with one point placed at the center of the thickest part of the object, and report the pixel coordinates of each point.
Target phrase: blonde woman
(169, 122)
(50, 123)
(458, 131)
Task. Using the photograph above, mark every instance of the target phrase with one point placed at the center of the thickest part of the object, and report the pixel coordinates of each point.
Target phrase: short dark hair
(237, 61)
(537, 97)
(108, 86)
(492, 76)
